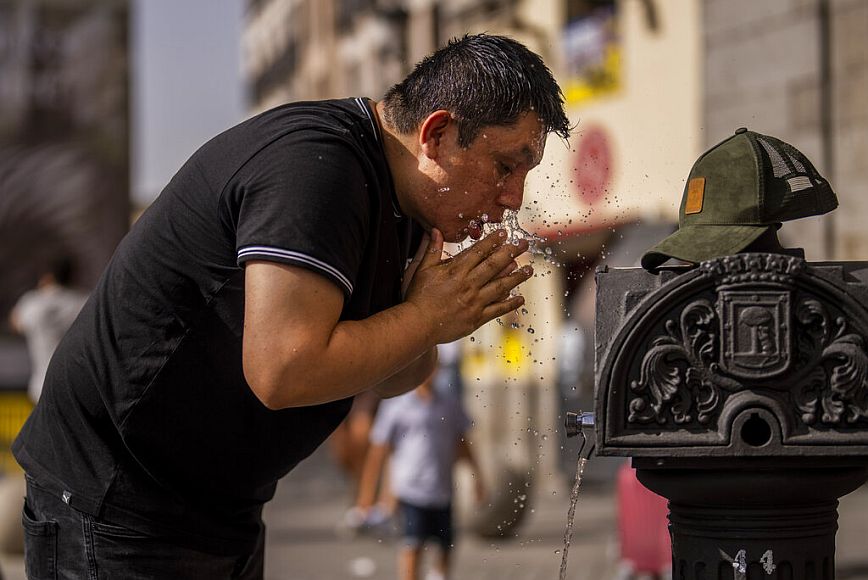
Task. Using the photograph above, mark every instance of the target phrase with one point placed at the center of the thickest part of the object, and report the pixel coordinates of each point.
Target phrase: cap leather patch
(695, 195)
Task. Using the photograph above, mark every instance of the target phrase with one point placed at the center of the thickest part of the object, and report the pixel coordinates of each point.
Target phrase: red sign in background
(593, 165)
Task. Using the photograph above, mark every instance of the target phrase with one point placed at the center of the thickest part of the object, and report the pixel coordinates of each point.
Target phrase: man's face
(478, 184)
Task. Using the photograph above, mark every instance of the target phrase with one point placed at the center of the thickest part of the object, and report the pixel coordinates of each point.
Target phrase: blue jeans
(61, 543)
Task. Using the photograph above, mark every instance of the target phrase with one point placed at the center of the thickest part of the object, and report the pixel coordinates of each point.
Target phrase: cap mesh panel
(779, 166)
(796, 188)
(799, 167)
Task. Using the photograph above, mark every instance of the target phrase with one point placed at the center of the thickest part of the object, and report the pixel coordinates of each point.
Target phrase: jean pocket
(40, 546)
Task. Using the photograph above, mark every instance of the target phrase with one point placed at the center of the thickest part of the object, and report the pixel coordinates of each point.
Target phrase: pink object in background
(643, 525)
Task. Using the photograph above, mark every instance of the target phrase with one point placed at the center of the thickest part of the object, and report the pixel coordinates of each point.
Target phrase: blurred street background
(303, 543)
(101, 101)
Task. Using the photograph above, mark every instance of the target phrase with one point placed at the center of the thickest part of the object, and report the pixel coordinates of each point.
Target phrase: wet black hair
(483, 80)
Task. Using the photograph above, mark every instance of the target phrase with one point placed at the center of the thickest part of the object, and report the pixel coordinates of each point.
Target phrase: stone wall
(850, 115)
(764, 70)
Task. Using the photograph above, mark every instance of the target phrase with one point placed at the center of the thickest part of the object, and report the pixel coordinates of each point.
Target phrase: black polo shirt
(146, 419)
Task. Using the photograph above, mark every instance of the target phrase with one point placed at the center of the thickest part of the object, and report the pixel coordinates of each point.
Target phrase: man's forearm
(410, 377)
(304, 367)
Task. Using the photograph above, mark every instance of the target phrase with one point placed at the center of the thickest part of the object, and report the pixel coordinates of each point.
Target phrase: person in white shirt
(43, 315)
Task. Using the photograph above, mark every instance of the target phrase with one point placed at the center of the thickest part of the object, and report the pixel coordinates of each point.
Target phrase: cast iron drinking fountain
(739, 388)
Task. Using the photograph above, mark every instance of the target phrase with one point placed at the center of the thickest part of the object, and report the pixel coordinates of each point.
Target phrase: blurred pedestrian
(422, 434)
(43, 315)
(265, 287)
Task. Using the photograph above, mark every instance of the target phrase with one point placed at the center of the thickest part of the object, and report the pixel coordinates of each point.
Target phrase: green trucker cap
(738, 190)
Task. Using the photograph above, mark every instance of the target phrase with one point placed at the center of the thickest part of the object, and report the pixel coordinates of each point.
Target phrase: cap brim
(702, 242)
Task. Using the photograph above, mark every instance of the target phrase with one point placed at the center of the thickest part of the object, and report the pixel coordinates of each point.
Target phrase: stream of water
(571, 515)
(514, 233)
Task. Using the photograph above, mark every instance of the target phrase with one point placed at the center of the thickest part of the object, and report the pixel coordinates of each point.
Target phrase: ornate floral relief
(834, 389)
(752, 336)
(679, 374)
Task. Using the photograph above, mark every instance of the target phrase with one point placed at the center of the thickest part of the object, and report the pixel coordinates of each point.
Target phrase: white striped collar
(364, 107)
(270, 251)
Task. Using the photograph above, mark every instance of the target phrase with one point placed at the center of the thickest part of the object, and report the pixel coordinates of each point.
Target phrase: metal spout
(574, 423)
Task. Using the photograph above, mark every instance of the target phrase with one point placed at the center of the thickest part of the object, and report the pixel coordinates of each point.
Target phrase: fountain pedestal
(740, 390)
(760, 523)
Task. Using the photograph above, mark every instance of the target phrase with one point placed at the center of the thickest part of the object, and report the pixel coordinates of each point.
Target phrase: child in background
(422, 434)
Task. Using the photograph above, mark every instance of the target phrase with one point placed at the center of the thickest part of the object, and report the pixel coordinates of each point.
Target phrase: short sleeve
(303, 200)
(384, 422)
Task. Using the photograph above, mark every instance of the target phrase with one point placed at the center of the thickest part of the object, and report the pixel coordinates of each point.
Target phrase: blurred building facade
(64, 161)
(63, 136)
(650, 85)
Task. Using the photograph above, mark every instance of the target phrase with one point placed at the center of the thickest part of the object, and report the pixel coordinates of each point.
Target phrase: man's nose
(512, 194)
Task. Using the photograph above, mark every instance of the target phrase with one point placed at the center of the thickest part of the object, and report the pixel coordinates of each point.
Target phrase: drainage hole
(756, 431)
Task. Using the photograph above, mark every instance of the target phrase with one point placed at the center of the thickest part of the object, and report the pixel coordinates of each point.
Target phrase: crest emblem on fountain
(755, 325)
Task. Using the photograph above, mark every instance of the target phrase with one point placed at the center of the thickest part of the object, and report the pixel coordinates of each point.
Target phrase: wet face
(479, 183)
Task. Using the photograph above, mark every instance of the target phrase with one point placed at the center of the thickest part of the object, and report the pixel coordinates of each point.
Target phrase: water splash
(514, 233)
(571, 515)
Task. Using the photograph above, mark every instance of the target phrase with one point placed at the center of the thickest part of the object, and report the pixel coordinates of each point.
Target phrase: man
(261, 291)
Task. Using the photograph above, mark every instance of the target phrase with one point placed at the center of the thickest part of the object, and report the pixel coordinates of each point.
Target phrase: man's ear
(433, 131)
